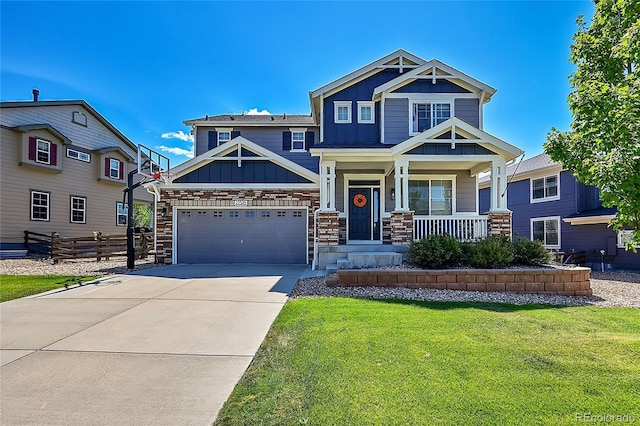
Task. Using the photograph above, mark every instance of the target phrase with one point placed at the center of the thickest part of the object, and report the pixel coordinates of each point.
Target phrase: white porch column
(328, 185)
(498, 185)
(402, 185)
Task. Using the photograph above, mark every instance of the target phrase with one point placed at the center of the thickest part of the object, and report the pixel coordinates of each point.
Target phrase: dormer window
(342, 112)
(297, 140)
(43, 152)
(428, 115)
(224, 136)
(114, 168)
(366, 113)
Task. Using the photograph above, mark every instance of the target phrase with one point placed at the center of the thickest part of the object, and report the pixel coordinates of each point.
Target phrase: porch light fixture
(393, 193)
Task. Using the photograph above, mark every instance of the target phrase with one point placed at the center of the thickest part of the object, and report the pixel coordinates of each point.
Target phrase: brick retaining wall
(564, 282)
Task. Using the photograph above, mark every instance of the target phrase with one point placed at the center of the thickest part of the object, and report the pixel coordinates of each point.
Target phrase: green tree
(141, 215)
(603, 146)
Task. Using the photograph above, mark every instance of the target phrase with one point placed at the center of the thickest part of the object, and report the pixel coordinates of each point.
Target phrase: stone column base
(401, 228)
(500, 223)
(328, 232)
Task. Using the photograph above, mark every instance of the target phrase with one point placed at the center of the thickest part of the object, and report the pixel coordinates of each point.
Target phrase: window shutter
(121, 170)
(53, 155)
(32, 149)
(286, 141)
(235, 134)
(309, 139)
(213, 139)
(106, 166)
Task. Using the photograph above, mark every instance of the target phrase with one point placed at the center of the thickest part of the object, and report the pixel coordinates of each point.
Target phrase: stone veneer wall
(564, 282)
(401, 228)
(328, 228)
(500, 223)
(256, 198)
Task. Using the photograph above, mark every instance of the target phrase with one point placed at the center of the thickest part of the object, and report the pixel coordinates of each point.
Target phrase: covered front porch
(378, 199)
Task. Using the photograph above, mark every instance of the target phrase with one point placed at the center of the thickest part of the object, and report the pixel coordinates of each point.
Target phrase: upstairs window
(43, 151)
(342, 112)
(366, 114)
(297, 140)
(114, 168)
(428, 115)
(224, 136)
(78, 155)
(545, 189)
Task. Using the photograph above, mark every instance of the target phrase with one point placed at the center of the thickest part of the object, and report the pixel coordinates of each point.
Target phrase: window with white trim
(40, 205)
(121, 214)
(546, 230)
(43, 151)
(224, 136)
(545, 189)
(366, 112)
(114, 168)
(297, 140)
(78, 155)
(342, 112)
(78, 209)
(432, 196)
(428, 115)
(624, 237)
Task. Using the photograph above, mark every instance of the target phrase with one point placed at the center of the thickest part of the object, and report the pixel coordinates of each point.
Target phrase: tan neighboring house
(63, 169)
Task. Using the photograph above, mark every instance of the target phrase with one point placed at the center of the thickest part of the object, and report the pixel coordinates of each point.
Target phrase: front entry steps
(364, 259)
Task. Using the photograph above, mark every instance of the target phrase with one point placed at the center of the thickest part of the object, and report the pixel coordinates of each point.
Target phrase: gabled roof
(237, 144)
(115, 149)
(435, 69)
(48, 127)
(81, 103)
(541, 163)
(229, 120)
(400, 59)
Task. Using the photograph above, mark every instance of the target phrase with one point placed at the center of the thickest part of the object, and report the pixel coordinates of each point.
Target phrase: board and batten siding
(468, 110)
(267, 137)
(76, 178)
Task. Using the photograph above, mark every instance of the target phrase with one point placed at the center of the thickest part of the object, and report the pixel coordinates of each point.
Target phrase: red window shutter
(32, 149)
(106, 166)
(121, 170)
(53, 155)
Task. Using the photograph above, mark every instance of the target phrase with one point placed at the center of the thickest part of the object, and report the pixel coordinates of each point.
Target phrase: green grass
(337, 361)
(16, 286)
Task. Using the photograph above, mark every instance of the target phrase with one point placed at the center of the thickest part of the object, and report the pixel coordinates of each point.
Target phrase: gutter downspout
(314, 263)
(156, 197)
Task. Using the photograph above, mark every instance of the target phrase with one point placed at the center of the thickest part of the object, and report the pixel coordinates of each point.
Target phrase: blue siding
(354, 132)
(255, 171)
(426, 86)
(574, 198)
(396, 120)
(269, 138)
(445, 149)
(468, 110)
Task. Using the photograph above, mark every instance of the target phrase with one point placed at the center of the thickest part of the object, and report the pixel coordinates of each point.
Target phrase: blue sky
(148, 66)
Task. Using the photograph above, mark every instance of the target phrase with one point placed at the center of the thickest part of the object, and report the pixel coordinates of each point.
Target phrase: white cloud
(178, 135)
(254, 111)
(176, 151)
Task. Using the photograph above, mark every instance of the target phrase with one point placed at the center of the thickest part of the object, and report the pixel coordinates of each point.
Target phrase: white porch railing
(463, 228)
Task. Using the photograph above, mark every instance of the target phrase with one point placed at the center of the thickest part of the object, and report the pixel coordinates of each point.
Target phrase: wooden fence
(100, 247)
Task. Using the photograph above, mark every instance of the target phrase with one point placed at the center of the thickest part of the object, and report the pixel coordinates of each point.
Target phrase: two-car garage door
(241, 236)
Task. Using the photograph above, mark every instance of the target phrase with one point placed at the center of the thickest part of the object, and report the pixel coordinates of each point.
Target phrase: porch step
(369, 259)
(331, 268)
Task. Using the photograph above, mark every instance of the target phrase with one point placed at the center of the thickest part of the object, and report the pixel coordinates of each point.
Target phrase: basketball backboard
(152, 164)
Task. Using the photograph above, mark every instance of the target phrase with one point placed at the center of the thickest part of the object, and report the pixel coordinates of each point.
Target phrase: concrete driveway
(162, 346)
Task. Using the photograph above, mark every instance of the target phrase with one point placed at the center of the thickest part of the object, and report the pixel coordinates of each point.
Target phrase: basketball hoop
(157, 175)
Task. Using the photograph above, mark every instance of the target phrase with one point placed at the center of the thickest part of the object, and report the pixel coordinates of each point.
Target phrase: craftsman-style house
(389, 153)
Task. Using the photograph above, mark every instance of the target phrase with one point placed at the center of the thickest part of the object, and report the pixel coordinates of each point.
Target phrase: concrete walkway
(165, 346)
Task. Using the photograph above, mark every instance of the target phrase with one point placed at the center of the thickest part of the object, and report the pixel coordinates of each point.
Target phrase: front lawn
(338, 361)
(16, 286)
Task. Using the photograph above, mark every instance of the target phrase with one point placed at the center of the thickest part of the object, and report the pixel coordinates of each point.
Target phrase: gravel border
(610, 289)
(39, 265)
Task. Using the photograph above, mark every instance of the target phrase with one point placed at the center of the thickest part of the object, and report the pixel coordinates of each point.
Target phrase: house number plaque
(240, 202)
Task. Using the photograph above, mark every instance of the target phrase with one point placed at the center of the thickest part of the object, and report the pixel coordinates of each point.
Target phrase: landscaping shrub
(435, 251)
(527, 252)
(491, 252)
